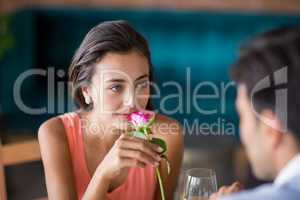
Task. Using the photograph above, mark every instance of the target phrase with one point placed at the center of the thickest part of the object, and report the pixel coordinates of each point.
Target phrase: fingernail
(159, 149)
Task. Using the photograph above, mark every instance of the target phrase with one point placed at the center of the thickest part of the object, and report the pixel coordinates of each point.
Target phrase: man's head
(267, 74)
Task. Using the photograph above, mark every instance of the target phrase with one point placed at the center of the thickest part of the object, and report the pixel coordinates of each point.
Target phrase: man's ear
(270, 128)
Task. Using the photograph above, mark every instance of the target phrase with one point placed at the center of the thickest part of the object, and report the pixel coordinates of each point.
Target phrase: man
(268, 102)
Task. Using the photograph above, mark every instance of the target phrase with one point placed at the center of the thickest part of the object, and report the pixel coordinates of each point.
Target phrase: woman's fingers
(128, 162)
(136, 152)
(155, 147)
(137, 155)
(140, 145)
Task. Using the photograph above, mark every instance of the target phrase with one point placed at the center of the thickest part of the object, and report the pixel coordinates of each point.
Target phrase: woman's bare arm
(56, 160)
(126, 152)
(58, 168)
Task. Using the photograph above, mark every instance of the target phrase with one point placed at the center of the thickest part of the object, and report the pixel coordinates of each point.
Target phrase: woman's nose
(129, 98)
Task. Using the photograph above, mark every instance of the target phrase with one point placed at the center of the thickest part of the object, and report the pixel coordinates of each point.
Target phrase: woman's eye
(116, 88)
(143, 84)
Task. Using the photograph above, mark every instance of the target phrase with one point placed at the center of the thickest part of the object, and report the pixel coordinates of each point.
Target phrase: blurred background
(191, 41)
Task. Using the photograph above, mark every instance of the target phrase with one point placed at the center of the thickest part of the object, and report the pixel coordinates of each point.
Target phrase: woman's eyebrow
(116, 80)
(141, 77)
(120, 80)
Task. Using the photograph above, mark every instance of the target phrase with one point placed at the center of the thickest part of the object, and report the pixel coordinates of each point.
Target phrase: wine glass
(199, 184)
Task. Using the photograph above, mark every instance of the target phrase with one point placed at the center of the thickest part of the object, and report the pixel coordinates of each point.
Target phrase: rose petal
(140, 118)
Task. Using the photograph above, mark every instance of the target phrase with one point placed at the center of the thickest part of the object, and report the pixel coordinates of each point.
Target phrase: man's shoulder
(266, 192)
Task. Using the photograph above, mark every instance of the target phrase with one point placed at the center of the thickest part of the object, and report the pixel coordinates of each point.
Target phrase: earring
(87, 100)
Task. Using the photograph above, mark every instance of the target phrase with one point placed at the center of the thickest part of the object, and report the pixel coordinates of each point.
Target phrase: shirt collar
(291, 170)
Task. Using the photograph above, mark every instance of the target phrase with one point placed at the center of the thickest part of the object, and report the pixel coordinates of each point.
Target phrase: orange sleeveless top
(139, 185)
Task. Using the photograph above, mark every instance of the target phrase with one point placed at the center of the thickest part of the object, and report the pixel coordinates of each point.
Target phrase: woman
(85, 153)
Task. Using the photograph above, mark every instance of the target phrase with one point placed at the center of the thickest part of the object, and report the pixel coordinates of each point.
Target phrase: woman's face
(119, 86)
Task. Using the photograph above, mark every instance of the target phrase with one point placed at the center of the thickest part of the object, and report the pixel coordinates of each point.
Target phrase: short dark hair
(261, 58)
(110, 36)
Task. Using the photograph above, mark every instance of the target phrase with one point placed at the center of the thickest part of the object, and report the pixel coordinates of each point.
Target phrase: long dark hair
(109, 36)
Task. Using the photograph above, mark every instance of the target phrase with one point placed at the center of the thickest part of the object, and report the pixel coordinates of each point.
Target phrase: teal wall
(207, 42)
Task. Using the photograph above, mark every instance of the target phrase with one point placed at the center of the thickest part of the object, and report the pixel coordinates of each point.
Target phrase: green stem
(160, 181)
(161, 186)
(146, 133)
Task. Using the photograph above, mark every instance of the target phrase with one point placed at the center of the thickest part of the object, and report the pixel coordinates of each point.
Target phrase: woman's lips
(122, 115)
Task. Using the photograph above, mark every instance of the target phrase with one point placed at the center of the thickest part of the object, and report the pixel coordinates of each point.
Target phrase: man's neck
(289, 171)
(285, 153)
(283, 162)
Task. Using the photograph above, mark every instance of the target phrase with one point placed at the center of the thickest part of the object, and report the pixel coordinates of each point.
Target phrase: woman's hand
(226, 190)
(128, 152)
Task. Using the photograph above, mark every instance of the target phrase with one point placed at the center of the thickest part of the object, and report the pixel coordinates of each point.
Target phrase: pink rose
(139, 118)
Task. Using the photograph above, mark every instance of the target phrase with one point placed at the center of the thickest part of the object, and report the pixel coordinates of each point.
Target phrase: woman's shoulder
(167, 127)
(52, 129)
(161, 118)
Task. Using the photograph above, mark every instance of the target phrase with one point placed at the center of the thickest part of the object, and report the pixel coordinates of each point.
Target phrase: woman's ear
(86, 94)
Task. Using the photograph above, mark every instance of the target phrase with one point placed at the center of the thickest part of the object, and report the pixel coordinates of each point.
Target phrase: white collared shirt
(291, 170)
